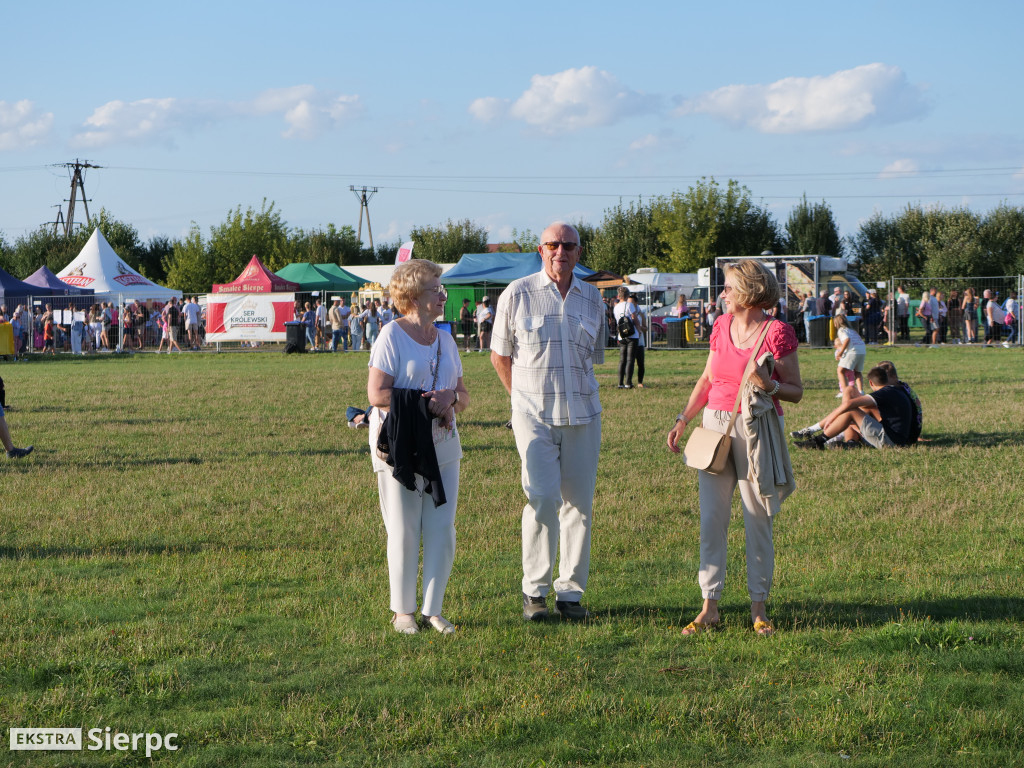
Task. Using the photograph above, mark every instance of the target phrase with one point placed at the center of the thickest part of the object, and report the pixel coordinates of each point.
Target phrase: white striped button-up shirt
(553, 344)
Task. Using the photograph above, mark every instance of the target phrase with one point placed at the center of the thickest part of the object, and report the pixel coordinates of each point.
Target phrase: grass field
(195, 547)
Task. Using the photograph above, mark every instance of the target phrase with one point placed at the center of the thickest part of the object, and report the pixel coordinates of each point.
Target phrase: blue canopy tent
(45, 279)
(483, 269)
(14, 291)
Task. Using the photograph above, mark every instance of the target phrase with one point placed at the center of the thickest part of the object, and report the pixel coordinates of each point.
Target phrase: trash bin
(6, 339)
(819, 331)
(674, 332)
(294, 336)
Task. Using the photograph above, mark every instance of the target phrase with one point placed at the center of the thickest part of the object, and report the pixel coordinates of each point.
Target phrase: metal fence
(963, 314)
(79, 327)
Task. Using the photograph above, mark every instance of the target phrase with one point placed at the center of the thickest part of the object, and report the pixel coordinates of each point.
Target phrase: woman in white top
(355, 330)
(411, 353)
(641, 345)
(371, 324)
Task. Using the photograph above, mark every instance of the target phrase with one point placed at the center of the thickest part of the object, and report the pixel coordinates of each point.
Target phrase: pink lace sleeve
(717, 331)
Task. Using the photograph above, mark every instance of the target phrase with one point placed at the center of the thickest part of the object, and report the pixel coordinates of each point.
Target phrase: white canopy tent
(98, 266)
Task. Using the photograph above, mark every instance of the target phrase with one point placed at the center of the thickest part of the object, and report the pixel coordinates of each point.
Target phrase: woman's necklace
(742, 342)
(419, 334)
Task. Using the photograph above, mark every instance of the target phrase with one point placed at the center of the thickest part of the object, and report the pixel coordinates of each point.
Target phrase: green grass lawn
(195, 547)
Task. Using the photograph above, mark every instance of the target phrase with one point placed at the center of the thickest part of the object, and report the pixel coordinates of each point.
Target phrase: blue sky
(512, 115)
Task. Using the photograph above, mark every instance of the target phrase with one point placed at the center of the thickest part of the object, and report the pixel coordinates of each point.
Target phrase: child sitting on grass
(884, 419)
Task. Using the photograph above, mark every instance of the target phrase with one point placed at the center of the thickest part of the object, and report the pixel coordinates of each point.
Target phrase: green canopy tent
(312, 278)
(349, 282)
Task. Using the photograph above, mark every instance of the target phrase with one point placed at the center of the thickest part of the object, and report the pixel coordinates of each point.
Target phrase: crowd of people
(105, 326)
(953, 318)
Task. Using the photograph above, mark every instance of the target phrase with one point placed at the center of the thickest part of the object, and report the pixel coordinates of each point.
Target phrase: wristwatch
(681, 418)
(456, 397)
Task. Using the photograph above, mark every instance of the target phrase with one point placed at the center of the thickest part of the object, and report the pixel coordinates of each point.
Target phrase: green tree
(952, 245)
(587, 233)
(1002, 236)
(811, 229)
(190, 267)
(383, 253)
(527, 241)
(261, 233)
(327, 246)
(152, 261)
(6, 252)
(626, 240)
(890, 246)
(707, 221)
(445, 244)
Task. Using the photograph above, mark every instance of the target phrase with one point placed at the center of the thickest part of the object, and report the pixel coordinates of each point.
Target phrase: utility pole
(60, 218)
(77, 170)
(364, 195)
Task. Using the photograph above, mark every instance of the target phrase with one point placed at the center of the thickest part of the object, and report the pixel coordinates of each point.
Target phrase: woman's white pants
(716, 492)
(410, 518)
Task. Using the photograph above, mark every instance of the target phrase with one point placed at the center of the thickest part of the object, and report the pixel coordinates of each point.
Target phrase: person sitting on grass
(850, 354)
(883, 419)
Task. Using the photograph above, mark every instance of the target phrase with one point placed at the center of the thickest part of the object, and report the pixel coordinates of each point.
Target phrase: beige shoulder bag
(709, 450)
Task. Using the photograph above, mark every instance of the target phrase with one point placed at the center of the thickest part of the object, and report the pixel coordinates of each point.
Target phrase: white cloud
(899, 169)
(650, 141)
(306, 111)
(131, 122)
(21, 126)
(843, 100)
(568, 101)
(489, 109)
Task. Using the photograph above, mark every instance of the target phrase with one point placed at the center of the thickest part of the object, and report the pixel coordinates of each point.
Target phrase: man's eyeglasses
(567, 247)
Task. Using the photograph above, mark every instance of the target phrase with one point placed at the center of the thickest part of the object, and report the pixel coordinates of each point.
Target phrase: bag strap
(747, 371)
(437, 362)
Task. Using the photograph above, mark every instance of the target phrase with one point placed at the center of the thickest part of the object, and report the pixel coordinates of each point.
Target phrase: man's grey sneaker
(572, 611)
(815, 443)
(17, 453)
(534, 608)
(805, 432)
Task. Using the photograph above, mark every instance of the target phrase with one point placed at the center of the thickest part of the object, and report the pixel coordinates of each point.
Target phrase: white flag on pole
(404, 253)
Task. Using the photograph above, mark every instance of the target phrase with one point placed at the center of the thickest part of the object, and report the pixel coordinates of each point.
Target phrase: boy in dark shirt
(883, 419)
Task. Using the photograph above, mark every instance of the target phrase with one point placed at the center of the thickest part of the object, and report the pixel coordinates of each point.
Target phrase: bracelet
(775, 389)
(456, 397)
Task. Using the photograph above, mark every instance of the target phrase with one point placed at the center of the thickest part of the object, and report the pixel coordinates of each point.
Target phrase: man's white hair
(563, 224)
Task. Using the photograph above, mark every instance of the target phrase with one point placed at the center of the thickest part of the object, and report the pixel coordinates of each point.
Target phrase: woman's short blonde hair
(753, 285)
(409, 280)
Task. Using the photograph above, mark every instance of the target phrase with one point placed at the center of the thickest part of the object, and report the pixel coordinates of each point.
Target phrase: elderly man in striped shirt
(548, 333)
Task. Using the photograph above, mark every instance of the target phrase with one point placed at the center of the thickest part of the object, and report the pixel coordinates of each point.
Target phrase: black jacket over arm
(408, 440)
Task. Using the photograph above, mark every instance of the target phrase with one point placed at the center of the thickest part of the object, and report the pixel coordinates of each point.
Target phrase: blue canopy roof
(498, 268)
(44, 278)
(14, 291)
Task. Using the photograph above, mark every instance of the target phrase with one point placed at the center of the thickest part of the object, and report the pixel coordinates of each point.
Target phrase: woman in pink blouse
(750, 291)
